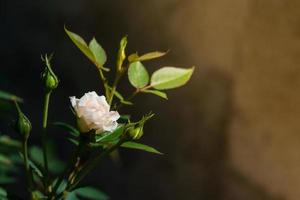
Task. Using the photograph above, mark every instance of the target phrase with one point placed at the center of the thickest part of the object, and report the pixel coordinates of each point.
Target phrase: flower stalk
(27, 167)
(90, 165)
(23, 127)
(44, 136)
(50, 81)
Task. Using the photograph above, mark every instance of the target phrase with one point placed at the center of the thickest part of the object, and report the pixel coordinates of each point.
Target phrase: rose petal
(93, 112)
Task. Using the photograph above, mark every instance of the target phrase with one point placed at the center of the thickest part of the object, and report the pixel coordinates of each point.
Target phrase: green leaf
(55, 165)
(135, 145)
(72, 130)
(157, 92)
(37, 195)
(3, 192)
(110, 136)
(10, 97)
(5, 179)
(138, 75)
(98, 52)
(35, 169)
(72, 196)
(170, 77)
(91, 193)
(36, 155)
(148, 56)
(4, 160)
(62, 186)
(7, 143)
(81, 44)
(124, 118)
(34, 164)
(129, 103)
(73, 141)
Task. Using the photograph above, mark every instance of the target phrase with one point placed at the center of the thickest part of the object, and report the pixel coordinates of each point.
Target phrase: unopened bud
(121, 53)
(136, 133)
(49, 78)
(23, 125)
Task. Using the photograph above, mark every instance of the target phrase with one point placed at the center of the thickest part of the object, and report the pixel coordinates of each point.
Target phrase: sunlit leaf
(157, 92)
(81, 44)
(138, 75)
(135, 145)
(147, 56)
(98, 52)
(170, 77)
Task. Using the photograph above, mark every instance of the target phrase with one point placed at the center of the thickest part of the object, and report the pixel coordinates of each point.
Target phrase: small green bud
(136, 133)
(49, 78)
(121, 53)
(23, 125)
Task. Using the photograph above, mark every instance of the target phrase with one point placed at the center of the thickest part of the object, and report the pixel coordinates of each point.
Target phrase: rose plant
(100, 127)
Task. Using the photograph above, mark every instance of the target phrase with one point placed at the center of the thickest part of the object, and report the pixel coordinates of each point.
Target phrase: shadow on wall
(196, 165)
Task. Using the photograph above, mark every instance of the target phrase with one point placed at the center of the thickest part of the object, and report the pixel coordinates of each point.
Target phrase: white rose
(93, 113)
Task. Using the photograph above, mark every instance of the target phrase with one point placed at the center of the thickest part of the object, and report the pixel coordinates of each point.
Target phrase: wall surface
(257, 44)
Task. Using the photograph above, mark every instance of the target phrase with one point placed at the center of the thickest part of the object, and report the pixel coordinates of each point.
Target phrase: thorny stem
(68, 169)
(92, 164)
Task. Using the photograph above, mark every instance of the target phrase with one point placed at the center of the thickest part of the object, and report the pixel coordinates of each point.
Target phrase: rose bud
(23, 125)
(121, 53)
(49, 78)
(136, 133)
(93, 113)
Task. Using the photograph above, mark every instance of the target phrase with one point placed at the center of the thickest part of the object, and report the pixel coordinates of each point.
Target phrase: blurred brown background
(232, 133)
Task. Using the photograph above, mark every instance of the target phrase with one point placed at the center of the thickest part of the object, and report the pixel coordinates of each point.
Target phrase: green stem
(44, 136)
(68, 169)
(27, 167)
(117, 107)
(104, 81)
(114, 87)
(138, 90)
(92, 164)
